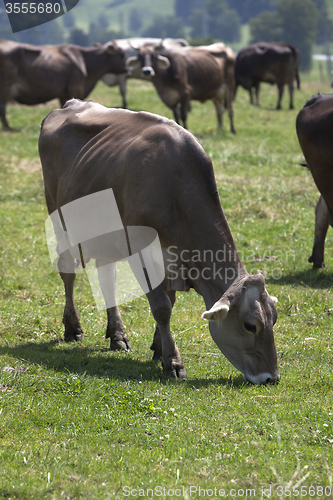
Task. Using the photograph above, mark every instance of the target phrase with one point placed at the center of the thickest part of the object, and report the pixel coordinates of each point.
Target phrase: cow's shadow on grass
(311, 278)
(76, 360)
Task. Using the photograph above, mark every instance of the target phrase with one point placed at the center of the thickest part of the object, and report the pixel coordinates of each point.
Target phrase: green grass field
(82, 422)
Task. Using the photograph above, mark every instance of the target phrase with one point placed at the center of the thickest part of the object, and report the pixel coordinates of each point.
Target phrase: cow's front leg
(321, 227)
(107, 274)
(161, 308)
(157, 341)
(116, 331)
(185, 107)
(71, 321)
(176, 113)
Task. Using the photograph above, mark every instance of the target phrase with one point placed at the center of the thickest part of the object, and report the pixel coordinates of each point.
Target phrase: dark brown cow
(32, 74)
(182, 74)
(269, 62)
(162, 178)
(314, 127)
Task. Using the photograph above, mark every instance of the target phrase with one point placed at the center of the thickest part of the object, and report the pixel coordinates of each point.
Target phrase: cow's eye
(250, 328)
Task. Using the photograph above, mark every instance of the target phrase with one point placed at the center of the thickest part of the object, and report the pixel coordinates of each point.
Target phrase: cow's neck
(97, 64)
(207, 260)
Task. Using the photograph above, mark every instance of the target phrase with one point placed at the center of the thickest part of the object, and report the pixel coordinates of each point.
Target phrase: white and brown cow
(130, 47)
(190, 73)
(161, 178)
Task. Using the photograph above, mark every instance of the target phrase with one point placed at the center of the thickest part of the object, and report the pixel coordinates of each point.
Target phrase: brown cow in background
(269, 62)
(31, 74)
(314, 127)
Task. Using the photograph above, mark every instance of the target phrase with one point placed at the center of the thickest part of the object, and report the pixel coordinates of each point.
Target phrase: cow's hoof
(73, 333)
(177, 371)
(120, 344)
(316, 264)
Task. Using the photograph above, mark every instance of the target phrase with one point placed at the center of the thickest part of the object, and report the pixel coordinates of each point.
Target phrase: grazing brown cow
(182, 74)
(161, 178)
(269, 62)
(32, 74)
(314, 127)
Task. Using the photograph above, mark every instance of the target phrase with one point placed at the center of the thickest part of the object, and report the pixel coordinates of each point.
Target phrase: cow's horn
(160, 45)
(133, 46)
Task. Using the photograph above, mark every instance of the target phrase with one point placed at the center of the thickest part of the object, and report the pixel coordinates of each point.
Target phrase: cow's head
(117, 63)
(149, 60)
(241, 324)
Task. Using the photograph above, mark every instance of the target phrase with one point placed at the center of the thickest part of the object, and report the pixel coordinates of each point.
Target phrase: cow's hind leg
(71, 321)
(219, 111)
(115, 331)
(321, 227)
(3, 118)
(161, 308)
(291, 95)
(157, 341)
(280, 92)
(257, 87)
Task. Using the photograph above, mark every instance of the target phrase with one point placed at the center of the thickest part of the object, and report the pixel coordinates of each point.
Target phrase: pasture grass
(80, 422)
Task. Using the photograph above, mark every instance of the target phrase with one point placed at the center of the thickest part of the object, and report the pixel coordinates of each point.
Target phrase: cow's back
(203, 72)
(156, 169)
(268, 62)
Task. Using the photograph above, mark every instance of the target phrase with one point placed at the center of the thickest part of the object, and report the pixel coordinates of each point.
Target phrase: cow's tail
(296, 56)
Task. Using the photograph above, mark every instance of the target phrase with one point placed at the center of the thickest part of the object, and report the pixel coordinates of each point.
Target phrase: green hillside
(118, 15)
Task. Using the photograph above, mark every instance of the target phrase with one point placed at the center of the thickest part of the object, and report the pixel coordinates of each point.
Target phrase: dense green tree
(135, 21)
(295, 21)
(266, 28)
(184, 9)
(215, 19)
(251, 8)
(68, 20)
(226, 27)
(299, 26)
(165, 26)
(198, 29)
(79, 37)
(324, 24)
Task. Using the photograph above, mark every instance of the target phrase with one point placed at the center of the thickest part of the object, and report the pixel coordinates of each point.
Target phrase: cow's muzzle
(262, 378)
(148, 71)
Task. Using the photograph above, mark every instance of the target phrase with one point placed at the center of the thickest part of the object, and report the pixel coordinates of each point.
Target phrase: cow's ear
(217, 313)
(112, 47)
(163, 62)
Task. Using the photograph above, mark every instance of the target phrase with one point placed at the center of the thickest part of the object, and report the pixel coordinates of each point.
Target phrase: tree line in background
(300, 22)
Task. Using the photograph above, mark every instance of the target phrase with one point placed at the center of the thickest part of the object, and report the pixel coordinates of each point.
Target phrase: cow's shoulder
(73, 55)
(82, 116)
